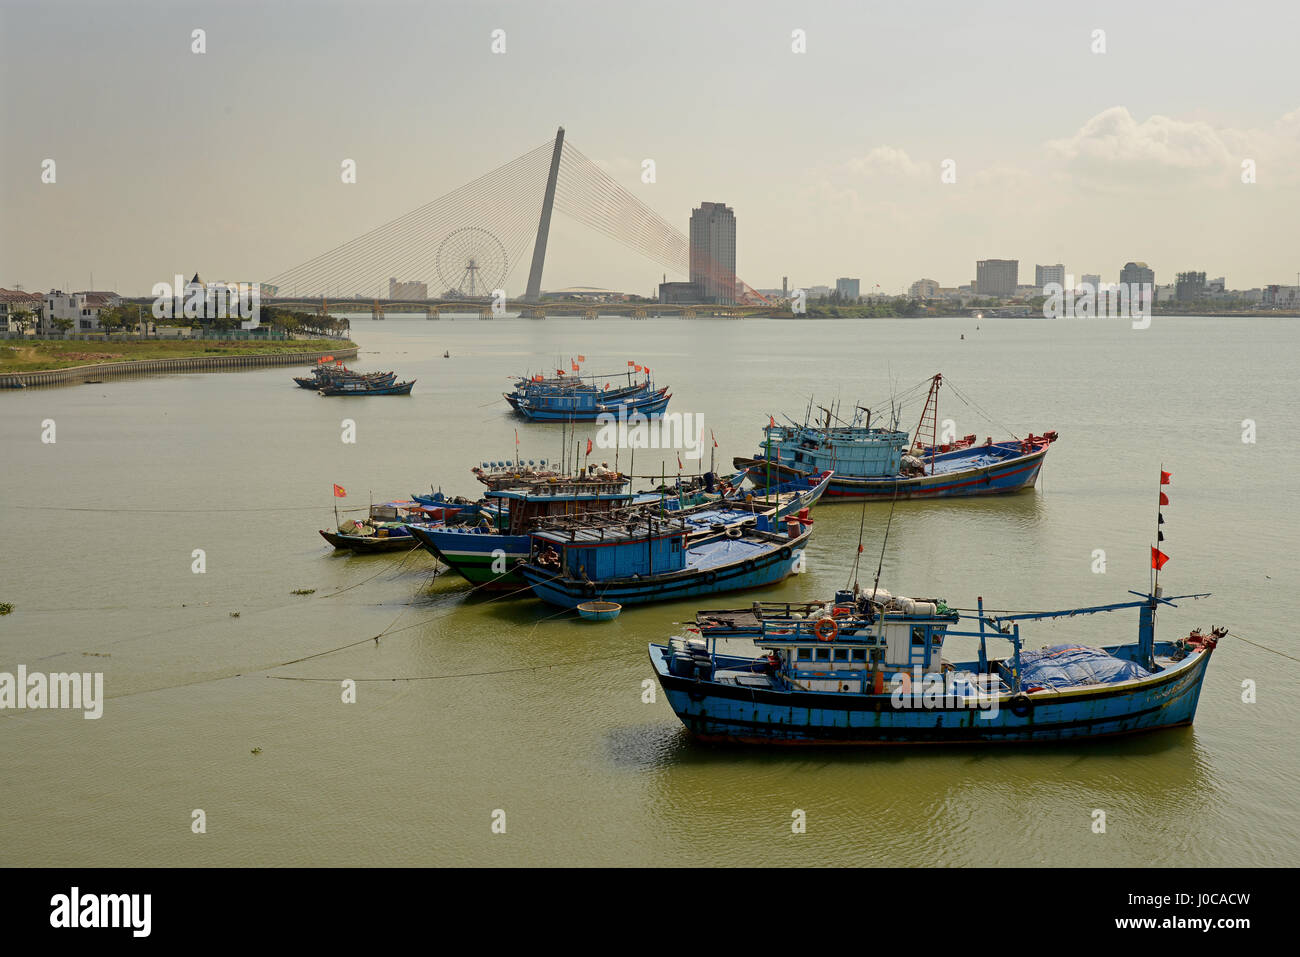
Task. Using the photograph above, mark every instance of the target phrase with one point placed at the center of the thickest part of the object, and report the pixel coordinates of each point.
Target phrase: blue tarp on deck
(1063, 665)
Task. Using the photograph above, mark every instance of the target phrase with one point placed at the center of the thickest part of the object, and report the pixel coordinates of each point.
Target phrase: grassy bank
(36, 356)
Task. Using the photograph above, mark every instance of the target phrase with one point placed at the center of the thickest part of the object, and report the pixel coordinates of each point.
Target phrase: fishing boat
(869, 668)
(636, 563)
(387, 527)
(585, 405)
(364, 387)
(326, 374)
(487, 556)
(864, 671)
(874, 463)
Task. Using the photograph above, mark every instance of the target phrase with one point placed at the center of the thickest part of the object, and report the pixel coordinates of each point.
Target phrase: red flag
(714, 438)
(1165, 476)
(573, 366)
(582, 358)
(638, 368)
(340, 492)
(630, 363)
(1164, 499)
(606, 386)
(647, 372)
(589, 446)
(771, 421)
(559, 371)
(679, 461)
(516, 438)
(1158, 558)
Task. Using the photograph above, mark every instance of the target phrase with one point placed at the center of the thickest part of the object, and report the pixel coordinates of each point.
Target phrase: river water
(541, 717)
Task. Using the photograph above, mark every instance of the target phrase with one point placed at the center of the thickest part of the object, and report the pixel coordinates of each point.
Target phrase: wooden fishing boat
(487, 556)
(363, 387)
(587, 406)
(387, 527)
(635, 564)
(873, 463)
(873, 672)
(869, 668)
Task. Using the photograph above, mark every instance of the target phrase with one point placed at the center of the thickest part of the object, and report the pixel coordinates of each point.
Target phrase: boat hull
(478, 557)
(369, 544)
(715, 711)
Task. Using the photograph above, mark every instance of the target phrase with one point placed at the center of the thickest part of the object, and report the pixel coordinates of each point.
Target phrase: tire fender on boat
(1021, 705)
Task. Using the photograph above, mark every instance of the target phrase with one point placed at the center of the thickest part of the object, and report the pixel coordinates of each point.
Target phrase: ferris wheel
(471, 262)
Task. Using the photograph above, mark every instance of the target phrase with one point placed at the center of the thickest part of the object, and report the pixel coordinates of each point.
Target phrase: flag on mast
(1158, 558)
(340, 492)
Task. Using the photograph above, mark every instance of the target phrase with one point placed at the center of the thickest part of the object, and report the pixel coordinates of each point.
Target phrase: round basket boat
(599, 610)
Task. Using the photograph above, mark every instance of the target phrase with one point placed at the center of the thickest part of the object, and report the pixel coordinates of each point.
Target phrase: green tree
(63, 325)
(22, 318)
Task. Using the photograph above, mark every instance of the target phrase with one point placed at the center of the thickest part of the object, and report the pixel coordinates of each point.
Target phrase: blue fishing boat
(869, 668)
(487, 556)
(653, 560)
(874, 463)
(586, 405)
(865, 671)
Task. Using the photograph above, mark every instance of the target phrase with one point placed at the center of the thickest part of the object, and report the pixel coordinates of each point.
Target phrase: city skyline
(1134, 154)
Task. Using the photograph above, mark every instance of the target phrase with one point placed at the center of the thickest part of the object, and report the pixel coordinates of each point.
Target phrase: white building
(925, 289)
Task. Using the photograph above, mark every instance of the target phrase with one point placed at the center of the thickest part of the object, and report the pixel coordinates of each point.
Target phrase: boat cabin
(839, 648)
(852, 451)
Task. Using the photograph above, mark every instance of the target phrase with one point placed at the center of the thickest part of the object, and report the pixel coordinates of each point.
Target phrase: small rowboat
(599, 610)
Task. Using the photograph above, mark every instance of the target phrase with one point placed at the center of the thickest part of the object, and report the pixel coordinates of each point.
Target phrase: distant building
(1189, 286)
(1280, 297)
(681, 292)
(407, 290)
(15, 300)
(848, 289)
(924, 289)
(1045, 274)
(817, 292)
(1137, 273)
(1218, 286)
(997, 277)
(82, 308)
(1090, 280)
(713, 252)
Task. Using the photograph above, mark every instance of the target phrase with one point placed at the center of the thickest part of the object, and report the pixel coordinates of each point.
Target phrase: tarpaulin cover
(1063, 665)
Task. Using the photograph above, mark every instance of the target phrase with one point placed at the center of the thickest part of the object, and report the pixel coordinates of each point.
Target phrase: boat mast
(931, 409)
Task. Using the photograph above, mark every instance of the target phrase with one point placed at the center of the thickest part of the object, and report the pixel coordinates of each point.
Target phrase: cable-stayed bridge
(463, 246)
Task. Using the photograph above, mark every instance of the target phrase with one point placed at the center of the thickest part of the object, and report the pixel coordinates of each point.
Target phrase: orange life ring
(828, 633)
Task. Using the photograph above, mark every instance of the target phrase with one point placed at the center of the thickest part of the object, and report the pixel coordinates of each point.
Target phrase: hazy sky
(228, 162)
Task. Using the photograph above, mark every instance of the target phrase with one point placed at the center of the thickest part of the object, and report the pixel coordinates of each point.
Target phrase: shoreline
(77, 375)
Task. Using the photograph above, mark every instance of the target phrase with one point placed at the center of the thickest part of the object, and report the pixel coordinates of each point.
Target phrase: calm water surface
(541, 716)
